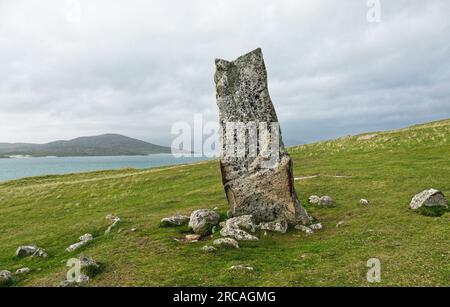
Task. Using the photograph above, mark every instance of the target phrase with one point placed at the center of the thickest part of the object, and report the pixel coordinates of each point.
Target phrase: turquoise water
(28, 167)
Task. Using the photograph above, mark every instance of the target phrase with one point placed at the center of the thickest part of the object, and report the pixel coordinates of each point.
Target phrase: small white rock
(305, 229)
(317, 226)
(364, 202)
(22, 271)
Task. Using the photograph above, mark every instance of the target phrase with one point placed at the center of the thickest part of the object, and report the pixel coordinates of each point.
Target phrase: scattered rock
(22, 271)
(84, 239)
(305, 229)
(261, 185)
(364, 202)
(175, 220)
(113, 220)
(82, 280)
(6, 278)
(226, 241)
(234, 228)
(278, 226)
(326, 201)
(317, 226)
(429, 198)
(208, 249)
(202, 221)
(241, 267)
(133, 229)
(314, 199)
(193, 238)
(30, 250)
(340, 224)
(89, 267)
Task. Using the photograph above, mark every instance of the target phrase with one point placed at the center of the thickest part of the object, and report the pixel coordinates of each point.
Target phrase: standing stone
(257, 182)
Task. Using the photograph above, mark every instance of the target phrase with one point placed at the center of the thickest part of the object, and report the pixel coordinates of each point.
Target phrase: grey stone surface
(364, 202)
(277, 226)
(113, 221)
(175, 220)
(305, 229)
(84, 239)
(6, 277)
(317, 226)
(238, 228)
(252, 185)
(241, 267)
(22, 271)
(314, 199)
(428, 198)
(202, 221)
(30, 250)
(326, 201)
(226, 241)
(208, 249)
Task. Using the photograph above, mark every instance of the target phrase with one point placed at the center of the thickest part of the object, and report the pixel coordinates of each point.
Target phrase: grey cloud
(136, 67)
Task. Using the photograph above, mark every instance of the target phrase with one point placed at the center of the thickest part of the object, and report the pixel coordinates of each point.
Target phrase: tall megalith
(256, 168)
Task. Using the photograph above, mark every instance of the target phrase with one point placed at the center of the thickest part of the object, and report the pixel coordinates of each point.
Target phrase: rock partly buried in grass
(429, 202)
(208, 249)
(113, 221)
(88, 270)
(305, 229)
(317, 226)
(193, 237)
(258, 180)
(277, 226)
(175, 220)
(6, 278)
(364, 202)
(31, 250)
(23, 271)
(314, 199)
(89, 267)
(84, 239)
(202, 221)
(227, 242)
(326, 201)
(237, 228)
(241, 267)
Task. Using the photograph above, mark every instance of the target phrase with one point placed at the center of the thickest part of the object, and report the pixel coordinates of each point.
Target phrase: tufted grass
(387, 168)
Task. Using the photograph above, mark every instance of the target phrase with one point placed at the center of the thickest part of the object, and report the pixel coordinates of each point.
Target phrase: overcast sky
(136, 67)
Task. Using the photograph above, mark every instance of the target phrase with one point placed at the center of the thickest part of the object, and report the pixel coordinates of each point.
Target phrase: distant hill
(101, 145)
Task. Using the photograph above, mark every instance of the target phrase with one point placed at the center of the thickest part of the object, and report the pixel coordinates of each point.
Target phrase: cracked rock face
(257, 182)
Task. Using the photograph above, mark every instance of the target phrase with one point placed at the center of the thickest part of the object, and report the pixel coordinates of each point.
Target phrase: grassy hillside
(387, 168)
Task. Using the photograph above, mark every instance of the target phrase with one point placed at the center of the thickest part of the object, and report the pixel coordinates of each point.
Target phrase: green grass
(387, 169)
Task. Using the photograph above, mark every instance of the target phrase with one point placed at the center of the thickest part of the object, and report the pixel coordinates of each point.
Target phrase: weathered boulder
(84, 239)
(23, 271)
(202, 221)
(314, 199)
(237, 228)
(208, 249)
(6, 278)
(175, 220)
(227, 241)
(30, 250)
(277, 226)
(326, 201)
(256, 168)
(317, 226)
(305, 229)
(89, 267)
(429, 198)
(112, 220)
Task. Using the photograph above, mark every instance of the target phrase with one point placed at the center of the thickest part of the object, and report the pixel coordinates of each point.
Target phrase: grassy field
(387, 168)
